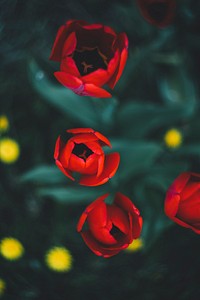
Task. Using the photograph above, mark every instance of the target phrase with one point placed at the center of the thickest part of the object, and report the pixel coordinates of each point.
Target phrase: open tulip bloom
(182, 202)
(110, 228)
(158, 12)
(90, 56)
(81, 151)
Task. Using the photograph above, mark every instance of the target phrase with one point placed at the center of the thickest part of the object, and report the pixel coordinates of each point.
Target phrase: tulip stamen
(158, 11)
(86, 66)
(89, 60)
(82, 151)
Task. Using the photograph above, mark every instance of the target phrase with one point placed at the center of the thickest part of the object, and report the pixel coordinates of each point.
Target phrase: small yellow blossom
(9, 150)
(2, 286)
(4, 123)
(11, 248)
(59, 259)
(135, 246)
(173, 138)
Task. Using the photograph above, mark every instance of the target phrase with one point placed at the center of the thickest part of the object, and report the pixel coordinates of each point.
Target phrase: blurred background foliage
(39, 206)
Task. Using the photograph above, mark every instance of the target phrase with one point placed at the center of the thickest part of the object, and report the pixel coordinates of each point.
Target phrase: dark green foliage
(158, 90)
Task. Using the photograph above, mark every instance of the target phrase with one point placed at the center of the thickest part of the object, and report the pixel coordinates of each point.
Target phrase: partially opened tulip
(182, 202)
(90, 56)
(110, 228)
(157, 12)
(80, 150)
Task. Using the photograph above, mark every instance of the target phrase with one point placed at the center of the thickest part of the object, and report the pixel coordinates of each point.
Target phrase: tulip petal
(92, 26)
(81, 130)
(195, 229)
(65, 153)
(181, 223)
(77, 164)
(171, 205)
(69, 81)
(189, 189)
(110, 167)
(118, 218)
(100, 225)
(126, 204)
(98, 216)
(113, 64)
(68, 65)
(103, 235)
(109, 30)
(91, 243)
(189, 210)
(97, 247)
(135, 219)
(65, 171)
(84, 138)
(95, 147)
(114, 79)
(56, 53)
(103, 139)
(95, 91)
(57, 148)
(89, 208)
(100, 164)
(99, 77)
(69, 45)
(180, 182)
(136, 226)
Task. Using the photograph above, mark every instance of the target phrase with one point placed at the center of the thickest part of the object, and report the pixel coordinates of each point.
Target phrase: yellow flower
(59, 259)
(9, 150)
(173, 138)
(135, 246)
(11, 248)
(2, 286)
(4, 123)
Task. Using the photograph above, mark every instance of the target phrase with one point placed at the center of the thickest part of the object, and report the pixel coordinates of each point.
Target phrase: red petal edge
(110, 167)
(88, 209)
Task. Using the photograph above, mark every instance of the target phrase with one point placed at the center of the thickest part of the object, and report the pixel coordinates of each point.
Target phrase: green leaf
(176, 88)
(70, 104)
(137, 119)
(105, 110)
(43, 175)
(161, 176)
(189, 150)
(151, 206)
(135, 157)
(71, 195)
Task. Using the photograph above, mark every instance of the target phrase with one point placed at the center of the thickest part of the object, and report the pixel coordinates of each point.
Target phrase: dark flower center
(116, 232)
(157, 11)
(88, 60)
(82, 151)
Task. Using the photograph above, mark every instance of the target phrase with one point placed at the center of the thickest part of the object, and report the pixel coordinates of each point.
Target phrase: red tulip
(82, 152)
(157, 12)
(91, 55)
(182, 202)
(110, 227)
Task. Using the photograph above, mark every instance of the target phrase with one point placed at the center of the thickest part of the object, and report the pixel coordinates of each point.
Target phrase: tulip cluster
(91, 56)
(110, 227)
